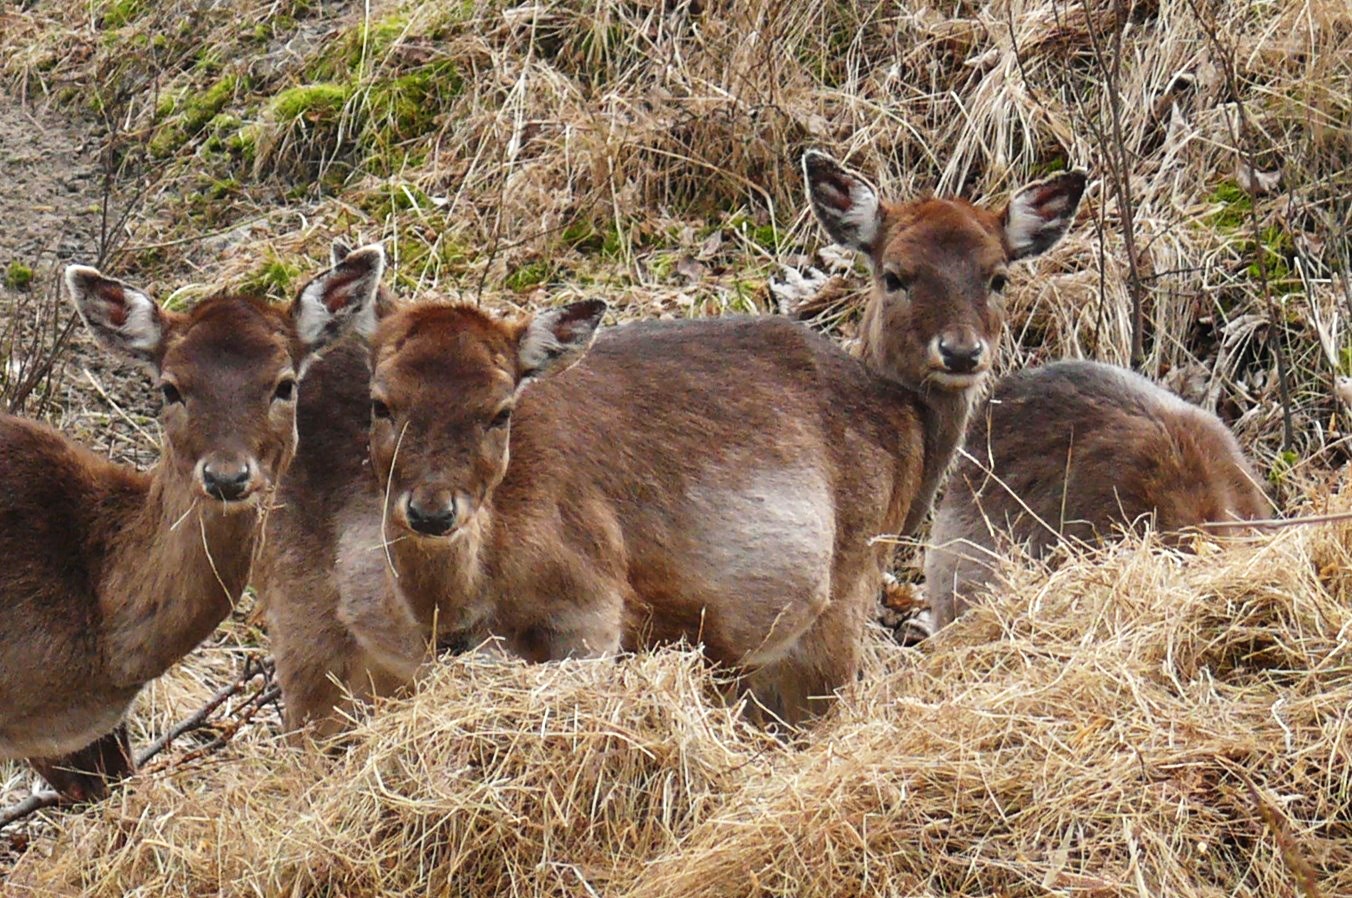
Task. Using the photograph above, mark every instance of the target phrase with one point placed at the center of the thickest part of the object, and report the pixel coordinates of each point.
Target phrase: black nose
(226, 482)
(961, 358)
(431, 523)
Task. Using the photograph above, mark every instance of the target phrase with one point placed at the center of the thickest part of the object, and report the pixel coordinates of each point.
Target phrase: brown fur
(303, 575)
(714, 481)
(1079, 451)
(111, 575)
(646, 501)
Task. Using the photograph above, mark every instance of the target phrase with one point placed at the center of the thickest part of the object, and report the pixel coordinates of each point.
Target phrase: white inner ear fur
(140, 331)
(314, 315)
(862, 216)
(539, 345)
(540, 349)
(1026, 221)
(338, 251)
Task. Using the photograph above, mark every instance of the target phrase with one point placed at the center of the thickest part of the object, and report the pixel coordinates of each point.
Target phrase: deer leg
(801, 684)
(85, 775)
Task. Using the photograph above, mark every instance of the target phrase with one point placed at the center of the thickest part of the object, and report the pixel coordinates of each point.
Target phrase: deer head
(939, 267)
(228, 369)
(445, 381)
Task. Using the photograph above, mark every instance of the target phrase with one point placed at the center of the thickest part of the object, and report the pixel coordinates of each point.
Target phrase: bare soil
(51, 214)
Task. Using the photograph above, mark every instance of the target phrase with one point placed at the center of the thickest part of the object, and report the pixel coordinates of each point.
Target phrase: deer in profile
(716, 481)
(110, 575)
(1079, 451)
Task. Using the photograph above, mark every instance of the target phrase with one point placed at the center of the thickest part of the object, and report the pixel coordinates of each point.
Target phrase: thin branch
(1119, 165)
(28, 807)
(199, 717)
(1280, 523)
(267, 693)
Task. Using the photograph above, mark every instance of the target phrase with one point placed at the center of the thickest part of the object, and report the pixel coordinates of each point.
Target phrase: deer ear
(121, 317)
(340, 299)
(1039, 214)
(553, 340)
(845, 204)
(338, 251)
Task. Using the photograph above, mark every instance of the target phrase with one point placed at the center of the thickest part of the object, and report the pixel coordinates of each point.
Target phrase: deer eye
(286, 390)
(380, 410)
(893, 282)
(171, 394)
(501, 419)
(998, 283)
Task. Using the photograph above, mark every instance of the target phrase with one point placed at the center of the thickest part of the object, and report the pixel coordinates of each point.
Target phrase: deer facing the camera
(716, 481)
(110, 575)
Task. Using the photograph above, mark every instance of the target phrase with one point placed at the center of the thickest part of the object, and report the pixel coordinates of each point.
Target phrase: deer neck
(176, 565)
(943, 415)
(442, 580)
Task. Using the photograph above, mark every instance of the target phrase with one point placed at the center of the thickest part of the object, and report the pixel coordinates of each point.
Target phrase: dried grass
(577, 147)
(1136, 723)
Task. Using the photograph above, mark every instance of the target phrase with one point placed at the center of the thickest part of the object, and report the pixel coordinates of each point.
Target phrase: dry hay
(1135, 723)
(500, 778)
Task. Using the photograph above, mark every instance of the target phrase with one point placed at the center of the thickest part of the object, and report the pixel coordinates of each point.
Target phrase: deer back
(1080, 451)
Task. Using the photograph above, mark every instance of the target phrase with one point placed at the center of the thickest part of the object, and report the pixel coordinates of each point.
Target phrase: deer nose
(960, 356)
(435, 518)
(226, 480)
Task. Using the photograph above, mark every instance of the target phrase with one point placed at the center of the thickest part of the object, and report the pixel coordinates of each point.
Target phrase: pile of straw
(1135, 723)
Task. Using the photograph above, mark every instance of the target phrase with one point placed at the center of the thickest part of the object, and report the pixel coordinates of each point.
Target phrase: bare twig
(1109, 63)
(1279, 523)
(267, 693)
(38, 801)
(199, 718)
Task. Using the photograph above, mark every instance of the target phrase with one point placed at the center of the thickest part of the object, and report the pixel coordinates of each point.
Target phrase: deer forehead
(448, 326)
(233, 339)
(449, 370)
(942, 235)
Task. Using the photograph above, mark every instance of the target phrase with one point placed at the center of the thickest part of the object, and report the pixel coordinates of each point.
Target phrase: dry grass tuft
(647, 150)
(1096, 732)
(499, 778)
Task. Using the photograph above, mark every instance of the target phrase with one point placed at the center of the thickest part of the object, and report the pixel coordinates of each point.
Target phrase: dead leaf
(1254, 182)
(691, 270)
(711, 245)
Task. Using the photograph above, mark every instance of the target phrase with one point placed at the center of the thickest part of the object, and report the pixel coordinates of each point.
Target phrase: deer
(714, 481)
(111, 574)
(337, 633)
(1079, 452)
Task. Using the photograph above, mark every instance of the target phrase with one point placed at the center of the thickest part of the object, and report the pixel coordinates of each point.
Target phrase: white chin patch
(950, 381)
